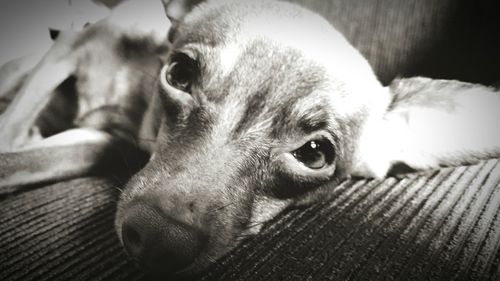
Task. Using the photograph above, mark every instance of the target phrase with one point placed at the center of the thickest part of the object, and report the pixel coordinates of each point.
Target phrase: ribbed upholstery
(443, 225)
(440, 226)
(62, 232)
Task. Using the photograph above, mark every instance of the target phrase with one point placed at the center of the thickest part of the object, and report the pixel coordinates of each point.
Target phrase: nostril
(132, 240)
(133, 236)
(159, 242)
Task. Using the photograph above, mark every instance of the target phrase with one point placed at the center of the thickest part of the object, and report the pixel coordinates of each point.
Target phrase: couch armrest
(441, 225)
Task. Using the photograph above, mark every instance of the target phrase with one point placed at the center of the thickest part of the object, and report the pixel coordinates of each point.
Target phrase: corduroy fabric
(443, 225)
(62, 232)
(439, 226)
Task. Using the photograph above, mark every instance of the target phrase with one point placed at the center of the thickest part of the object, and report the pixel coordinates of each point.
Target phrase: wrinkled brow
(303, 115)
(314, 120)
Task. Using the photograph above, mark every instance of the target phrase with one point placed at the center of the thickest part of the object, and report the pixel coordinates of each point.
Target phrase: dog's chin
(203, 262)
(200, 265)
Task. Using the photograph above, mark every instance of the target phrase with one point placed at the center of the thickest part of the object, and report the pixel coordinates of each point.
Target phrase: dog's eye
(315, 154)
(182, 72)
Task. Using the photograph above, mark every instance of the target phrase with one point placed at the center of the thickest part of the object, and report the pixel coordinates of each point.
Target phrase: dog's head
(260, 103)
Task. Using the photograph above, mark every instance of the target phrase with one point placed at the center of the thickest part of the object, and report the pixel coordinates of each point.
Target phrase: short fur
(274, 76)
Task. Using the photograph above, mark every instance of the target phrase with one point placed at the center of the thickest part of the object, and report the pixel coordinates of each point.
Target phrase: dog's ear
(430, 124)
(176, 10)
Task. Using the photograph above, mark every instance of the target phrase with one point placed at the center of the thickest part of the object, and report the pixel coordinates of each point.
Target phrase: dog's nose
(159, 242)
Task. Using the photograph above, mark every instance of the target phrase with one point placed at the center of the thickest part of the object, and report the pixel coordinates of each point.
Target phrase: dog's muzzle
(159, 242)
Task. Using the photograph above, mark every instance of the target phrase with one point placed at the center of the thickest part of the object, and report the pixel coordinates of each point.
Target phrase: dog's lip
(192, 269)
(186, 271)
(189, 270)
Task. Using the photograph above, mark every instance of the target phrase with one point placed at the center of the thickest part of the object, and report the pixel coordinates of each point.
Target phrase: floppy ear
(35, 92)
(431, 124)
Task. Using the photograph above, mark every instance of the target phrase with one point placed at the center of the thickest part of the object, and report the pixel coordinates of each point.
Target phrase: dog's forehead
(232, 25)
(256, 46)
(225, 31)
(272, 87)
(269, 92)
(275, 65)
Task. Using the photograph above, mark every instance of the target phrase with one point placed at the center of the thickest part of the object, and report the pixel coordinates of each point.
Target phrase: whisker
(254, 225)
(211, 259)
(220, 207)
(242, 237)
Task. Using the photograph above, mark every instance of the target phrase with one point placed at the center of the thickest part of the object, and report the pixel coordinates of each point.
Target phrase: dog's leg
(67, 154)
(72, 153)
(107, 88)
(431, 124)
(12, 76)
(15, 71)
(17, 122)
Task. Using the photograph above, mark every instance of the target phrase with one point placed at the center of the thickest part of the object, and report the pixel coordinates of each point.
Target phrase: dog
(82, 99)
(256, 105)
